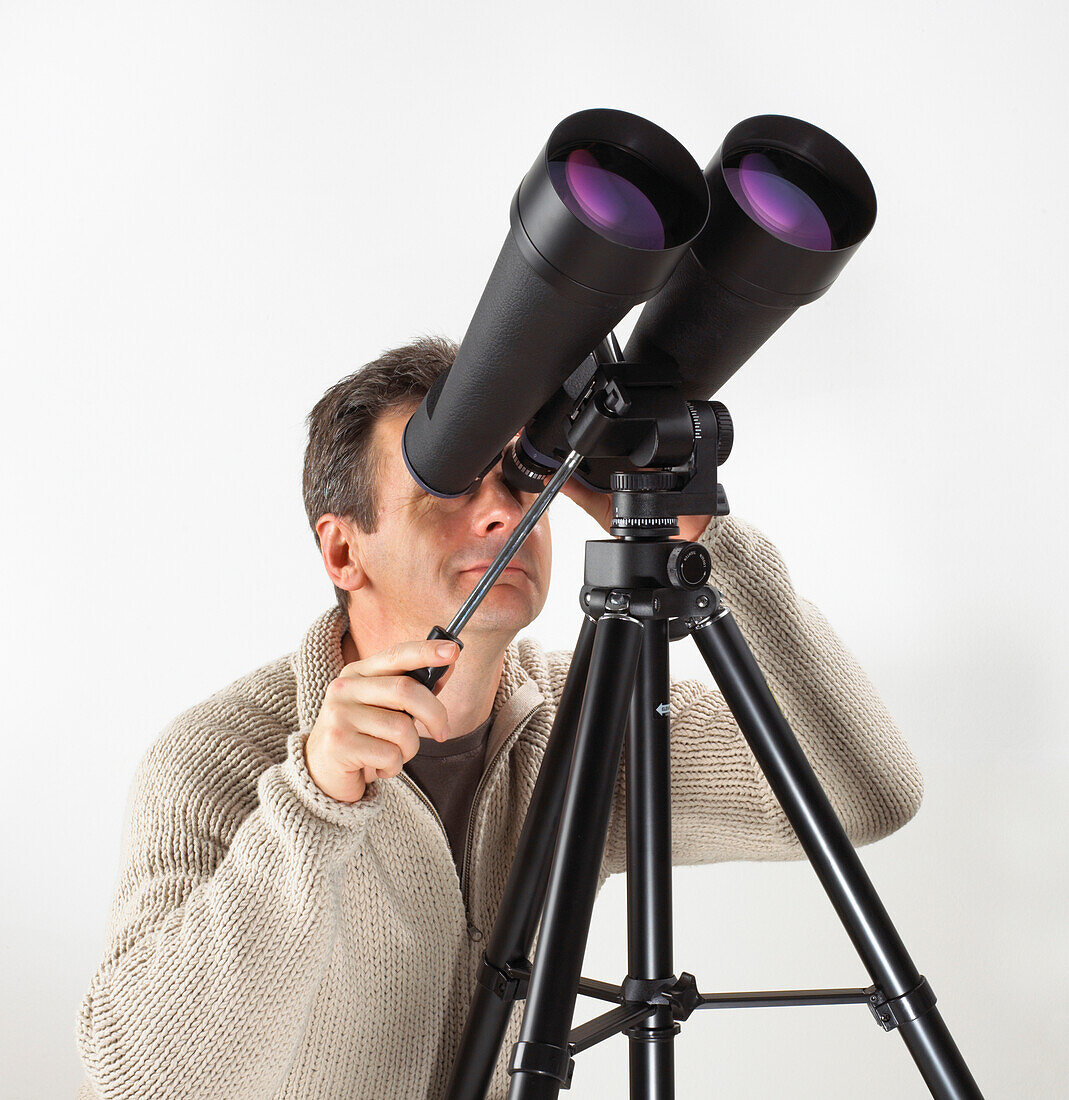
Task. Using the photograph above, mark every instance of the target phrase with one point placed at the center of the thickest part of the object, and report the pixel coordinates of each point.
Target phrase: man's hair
(341, 468)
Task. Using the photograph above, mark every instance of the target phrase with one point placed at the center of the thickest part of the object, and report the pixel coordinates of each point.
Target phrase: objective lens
(603, 186)
(784, 195)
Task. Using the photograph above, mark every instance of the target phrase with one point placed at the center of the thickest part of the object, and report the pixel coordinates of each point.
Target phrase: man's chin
(511, 604)
(500, 612)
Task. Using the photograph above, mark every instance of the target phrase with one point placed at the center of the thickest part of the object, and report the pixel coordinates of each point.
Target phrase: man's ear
(339, 543)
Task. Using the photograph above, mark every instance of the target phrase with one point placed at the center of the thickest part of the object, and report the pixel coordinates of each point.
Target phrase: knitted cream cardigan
(267, 941)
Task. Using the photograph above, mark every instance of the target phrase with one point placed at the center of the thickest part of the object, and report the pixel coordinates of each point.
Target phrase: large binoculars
(615, 212)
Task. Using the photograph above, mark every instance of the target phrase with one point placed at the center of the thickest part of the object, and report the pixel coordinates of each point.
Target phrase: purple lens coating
(777, 204)
(607, 202)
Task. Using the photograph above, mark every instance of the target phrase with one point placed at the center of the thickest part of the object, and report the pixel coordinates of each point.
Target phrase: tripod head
(662, 454)
(657, 452)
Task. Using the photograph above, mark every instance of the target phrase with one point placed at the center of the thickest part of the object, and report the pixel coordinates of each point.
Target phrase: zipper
(474, 802)
(402, 774)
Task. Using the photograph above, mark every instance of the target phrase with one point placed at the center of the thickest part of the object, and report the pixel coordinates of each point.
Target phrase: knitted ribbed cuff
(295, 770)
(713, 529)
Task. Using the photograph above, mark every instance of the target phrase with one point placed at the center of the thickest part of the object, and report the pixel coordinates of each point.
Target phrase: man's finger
(403, 657)
(401, 693)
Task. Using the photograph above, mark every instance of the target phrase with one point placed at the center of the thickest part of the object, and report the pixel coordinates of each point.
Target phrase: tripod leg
(541, 1063)
(524, 894)
(649, 866)
(821, 834)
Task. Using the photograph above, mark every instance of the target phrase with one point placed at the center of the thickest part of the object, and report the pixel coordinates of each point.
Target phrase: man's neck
(468, 695)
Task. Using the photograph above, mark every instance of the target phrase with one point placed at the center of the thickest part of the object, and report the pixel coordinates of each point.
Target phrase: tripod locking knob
(688, 566)
(646, 481)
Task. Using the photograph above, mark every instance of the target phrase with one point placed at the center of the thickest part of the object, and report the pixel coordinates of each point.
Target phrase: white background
(211, 212)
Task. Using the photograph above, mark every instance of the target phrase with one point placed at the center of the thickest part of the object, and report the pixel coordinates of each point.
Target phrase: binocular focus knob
(689, 566)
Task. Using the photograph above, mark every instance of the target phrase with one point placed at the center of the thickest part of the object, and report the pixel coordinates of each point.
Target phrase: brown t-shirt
(448, 772)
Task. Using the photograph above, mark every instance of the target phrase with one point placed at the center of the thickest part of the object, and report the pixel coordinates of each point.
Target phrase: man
(313, 856)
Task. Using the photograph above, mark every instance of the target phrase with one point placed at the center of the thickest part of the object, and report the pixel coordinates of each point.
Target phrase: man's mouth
(480, 569)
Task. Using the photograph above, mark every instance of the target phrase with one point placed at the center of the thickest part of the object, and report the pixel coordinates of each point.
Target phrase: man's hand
(365, 728)
(599, 505)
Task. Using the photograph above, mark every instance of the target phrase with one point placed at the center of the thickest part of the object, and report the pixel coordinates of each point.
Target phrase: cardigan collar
(318, 660)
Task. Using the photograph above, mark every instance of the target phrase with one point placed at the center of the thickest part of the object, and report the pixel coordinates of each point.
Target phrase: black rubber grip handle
(430, 675)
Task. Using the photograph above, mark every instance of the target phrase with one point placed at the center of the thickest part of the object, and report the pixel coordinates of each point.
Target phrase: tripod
(661, 453)
(637, 594)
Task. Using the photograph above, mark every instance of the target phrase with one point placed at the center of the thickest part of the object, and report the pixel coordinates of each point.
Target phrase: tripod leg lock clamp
(509, 983)
(543, 1059)
(892, 1013)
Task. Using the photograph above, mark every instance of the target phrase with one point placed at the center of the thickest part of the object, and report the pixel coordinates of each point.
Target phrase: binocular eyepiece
(615, 212)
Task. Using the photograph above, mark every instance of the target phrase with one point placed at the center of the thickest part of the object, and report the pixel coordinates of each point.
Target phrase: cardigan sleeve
(722, 805)
(223, 921)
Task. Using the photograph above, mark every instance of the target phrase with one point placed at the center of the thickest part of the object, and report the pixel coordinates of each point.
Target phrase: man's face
(427, 554)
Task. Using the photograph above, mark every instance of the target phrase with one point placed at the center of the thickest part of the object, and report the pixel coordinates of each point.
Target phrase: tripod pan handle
(430, 676)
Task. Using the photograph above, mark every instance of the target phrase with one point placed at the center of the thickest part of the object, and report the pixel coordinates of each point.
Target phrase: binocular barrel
(789, 205)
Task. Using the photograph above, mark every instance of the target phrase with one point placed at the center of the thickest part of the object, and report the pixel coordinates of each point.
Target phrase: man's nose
(495, 508)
